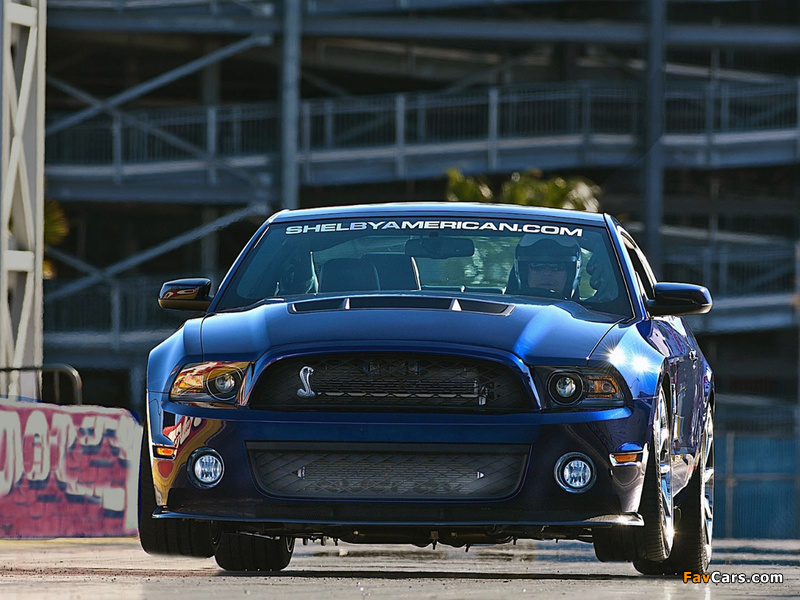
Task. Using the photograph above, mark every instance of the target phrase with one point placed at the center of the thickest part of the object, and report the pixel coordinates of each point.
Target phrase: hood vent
(401, 302)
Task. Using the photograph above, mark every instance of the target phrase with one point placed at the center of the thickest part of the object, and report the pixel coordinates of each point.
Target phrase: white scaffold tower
(22, 87)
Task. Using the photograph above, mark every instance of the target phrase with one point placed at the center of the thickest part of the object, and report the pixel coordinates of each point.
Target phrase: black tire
(694, 534)
(171, 537)
(243, 552)
(656, 507)
(615, 544)
(694, 531)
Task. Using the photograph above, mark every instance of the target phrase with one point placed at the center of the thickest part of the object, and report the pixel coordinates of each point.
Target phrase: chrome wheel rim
(662, 446)
(708, 485)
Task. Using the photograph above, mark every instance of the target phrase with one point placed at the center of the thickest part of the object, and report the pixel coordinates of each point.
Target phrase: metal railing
(726, 107)
(48, 381)
(311, 7)
(209, 6)
(575, 112)
(734, 271)
(124, 304)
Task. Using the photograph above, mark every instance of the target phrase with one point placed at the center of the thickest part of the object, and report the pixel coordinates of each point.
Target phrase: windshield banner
(425, 225)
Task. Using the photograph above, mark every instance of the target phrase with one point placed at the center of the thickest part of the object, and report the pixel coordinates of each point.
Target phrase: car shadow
(406, 574)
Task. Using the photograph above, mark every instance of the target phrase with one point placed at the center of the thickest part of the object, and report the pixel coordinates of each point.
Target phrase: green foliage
(527, 189)
(56, 228)
(467, 189)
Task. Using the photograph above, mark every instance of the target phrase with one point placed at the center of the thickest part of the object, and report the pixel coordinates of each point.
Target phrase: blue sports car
(432, 373)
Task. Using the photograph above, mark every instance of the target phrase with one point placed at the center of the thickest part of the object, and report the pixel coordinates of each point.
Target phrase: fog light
(575, 472)
(205, 468)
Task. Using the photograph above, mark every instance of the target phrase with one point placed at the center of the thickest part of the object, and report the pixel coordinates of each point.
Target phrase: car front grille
(388, 472)
(389, 381)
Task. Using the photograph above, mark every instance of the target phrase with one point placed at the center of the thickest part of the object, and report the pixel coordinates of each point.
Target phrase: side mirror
(677, 299)
(186, 294)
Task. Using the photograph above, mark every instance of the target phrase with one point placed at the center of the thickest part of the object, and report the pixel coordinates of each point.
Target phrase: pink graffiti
(67, 471)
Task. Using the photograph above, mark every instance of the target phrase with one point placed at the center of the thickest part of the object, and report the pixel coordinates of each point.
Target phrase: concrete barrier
(67, 470)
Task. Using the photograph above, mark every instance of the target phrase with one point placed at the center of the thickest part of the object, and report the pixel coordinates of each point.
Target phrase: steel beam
(653, 172)
(159, 81)
(22, 59)
(108, 21)
(152, 193)
(338, 7)
(441, 28)
(174, 140)
(487, 30)
(78, 264)
(733, 36)
(290, 103)
(179, 241)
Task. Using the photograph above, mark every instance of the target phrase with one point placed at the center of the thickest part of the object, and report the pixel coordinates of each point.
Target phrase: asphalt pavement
(116, 568)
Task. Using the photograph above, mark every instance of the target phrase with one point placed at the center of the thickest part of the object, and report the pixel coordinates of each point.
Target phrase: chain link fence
(757, 472)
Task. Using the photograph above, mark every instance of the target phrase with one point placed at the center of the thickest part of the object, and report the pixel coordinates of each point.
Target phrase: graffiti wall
(67, 470)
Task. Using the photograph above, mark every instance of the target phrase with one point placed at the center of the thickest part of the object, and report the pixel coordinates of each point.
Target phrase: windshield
(504, 260)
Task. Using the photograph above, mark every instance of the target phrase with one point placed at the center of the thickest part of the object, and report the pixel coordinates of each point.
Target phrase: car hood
(537, 334)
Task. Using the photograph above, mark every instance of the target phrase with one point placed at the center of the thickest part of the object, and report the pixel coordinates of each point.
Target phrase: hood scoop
(401, 302)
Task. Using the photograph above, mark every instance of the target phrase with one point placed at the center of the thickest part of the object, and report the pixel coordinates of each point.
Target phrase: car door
(670, 336)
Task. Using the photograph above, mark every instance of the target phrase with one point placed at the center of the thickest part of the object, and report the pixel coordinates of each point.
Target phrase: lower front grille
(388, 471)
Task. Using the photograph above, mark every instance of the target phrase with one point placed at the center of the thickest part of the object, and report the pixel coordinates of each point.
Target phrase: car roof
(418, 209)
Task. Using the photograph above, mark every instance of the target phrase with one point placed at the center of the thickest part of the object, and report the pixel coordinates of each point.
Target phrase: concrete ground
(117, 568)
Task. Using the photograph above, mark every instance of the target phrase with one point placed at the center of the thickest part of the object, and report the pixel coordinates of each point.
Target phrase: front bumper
(535, 501)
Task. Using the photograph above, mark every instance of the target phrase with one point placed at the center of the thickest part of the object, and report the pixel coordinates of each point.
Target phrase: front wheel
(694, 531)
(656, 506)
(248, 552)
(171, 537)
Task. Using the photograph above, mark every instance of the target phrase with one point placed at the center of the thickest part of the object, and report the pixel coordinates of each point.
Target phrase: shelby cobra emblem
(305, 375)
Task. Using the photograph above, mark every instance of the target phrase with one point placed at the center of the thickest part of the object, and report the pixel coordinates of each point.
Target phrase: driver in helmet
(547, 268)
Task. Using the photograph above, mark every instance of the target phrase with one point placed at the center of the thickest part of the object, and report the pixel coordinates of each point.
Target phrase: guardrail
(581, 114)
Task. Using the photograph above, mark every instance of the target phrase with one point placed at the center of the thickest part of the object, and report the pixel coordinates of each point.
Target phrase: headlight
(209, 382)
(565, 388)
(581, 388)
